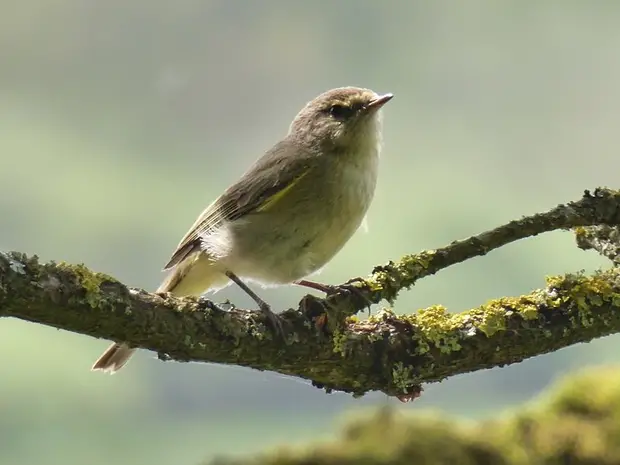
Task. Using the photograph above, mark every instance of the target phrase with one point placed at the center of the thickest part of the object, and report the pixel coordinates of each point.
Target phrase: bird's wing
(266, 182)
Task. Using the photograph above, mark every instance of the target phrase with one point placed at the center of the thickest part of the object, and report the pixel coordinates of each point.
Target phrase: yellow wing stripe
(271, 201)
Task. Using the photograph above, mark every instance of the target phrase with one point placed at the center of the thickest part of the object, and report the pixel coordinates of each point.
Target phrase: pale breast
(355, 188)
(302, 234)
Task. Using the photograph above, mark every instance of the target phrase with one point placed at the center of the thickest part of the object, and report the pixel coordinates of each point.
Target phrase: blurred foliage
(121, 120)
(576, 422)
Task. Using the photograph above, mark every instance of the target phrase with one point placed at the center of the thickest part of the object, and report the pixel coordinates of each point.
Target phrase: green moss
(587, 292)
(89, 281)
(438, 334)
(492, 317)
(339, 340)
(581, 232)
(403, 376)
(526, 307)
(418, 261)
(389, 279)
(439, 328)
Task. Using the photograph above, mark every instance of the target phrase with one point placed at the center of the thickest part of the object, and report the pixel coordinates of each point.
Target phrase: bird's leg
(264, 307)
(329, 289)
(326, 288)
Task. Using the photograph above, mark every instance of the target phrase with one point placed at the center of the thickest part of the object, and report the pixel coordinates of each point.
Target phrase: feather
(259, 189)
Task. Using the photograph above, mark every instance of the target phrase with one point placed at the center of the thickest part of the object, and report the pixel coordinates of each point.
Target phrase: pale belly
(299, 239)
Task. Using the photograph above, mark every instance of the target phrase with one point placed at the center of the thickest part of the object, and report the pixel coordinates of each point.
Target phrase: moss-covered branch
(389, 353)
(601, 207)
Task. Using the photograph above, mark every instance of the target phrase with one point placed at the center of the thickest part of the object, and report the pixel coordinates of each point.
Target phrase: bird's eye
(341, 111)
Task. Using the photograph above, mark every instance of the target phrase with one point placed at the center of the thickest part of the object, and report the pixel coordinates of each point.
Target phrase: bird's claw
(274, 320)
(210, 304)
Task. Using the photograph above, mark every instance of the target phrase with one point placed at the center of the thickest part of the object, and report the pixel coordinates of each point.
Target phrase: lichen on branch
(391, 353)
(601, 207)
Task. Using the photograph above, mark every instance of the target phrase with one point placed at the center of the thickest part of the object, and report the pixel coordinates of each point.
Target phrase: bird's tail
(191, 277)
(114, 358)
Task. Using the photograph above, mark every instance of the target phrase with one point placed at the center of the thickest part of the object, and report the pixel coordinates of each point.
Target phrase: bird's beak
(377, 103)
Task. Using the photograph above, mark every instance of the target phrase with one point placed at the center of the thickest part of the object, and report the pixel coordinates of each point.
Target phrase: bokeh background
(121, 120)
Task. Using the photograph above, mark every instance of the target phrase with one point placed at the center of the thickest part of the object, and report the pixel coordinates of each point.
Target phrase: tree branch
(389, 353)
(604, 239)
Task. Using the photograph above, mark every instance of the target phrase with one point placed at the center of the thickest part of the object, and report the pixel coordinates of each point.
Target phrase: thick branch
(389, 353)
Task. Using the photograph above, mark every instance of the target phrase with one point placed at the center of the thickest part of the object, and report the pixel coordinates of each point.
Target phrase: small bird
(289, 214)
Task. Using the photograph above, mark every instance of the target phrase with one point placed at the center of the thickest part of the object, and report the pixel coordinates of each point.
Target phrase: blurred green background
(121, 120)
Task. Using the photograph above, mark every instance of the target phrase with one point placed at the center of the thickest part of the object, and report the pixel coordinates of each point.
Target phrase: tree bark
(324, 341)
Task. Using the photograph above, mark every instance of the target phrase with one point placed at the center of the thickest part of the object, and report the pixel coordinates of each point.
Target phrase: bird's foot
(330, 289)
(219, 307)
(274, 320)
